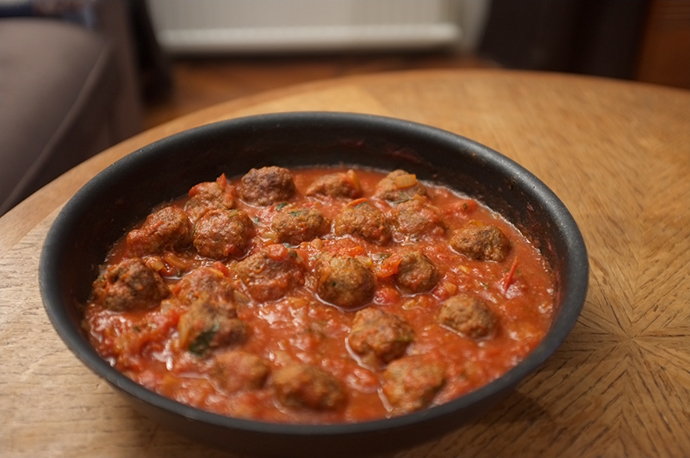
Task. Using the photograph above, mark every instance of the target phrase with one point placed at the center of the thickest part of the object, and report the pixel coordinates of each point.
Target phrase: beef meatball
(270, 273)
(416, 273)
(399, 186)
(410, 383)
(223, 233)
(205, 283)
(168, 228)
(267, 186)
(298, 225)
(129, 285)
(467, 315)
(307, 386)
(364, 220)
(379, 337)
(481, 242)
(237, 370)
(208, 325)
(336, 185)
(219, 195)
(417, 218)
(344, 281)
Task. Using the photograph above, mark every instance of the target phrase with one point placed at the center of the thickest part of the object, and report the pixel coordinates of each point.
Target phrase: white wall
(302, 25)
(472, 16)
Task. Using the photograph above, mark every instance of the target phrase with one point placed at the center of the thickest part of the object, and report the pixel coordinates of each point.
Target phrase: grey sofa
(67, 92)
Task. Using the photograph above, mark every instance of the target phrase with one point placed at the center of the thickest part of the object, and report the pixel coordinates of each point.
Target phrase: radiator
(207, 26)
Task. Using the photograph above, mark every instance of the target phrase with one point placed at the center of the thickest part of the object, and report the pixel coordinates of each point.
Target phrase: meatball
(267, 186)
(270, 273)
(416, 218)
(467, 315)
(363, 219)
(336, 185)
(416, 273)
(344, 281)
(295, 226)
(129, 285)
(238, 370)
(222, 233)
(205, 283)
(209, 325)
(307, 386)
(379, 337)
(167, 228)
(210, 195)
(399, 186)
(481, 242)
(410, 383)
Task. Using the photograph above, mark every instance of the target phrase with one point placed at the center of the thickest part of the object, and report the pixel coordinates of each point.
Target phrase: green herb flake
(280, 206)
(203, 341)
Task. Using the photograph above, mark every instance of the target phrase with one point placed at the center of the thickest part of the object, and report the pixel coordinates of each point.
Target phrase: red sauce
(300, 327)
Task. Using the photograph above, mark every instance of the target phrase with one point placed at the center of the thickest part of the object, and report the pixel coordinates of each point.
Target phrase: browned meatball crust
(364, 220)
(416, 273)
(204, 283)
(129, 285)
(307, 386)
(411, 383)
(267, 185)
(467, 315)
(344, 281)
(208, 325)
(270, 273)
(237, 370)
(379, 337)
(168, 228)
(399, 186)
(210, 195)
(417, 218)
(297, 225)
(336, 185)
(223, 233)
(481, 242)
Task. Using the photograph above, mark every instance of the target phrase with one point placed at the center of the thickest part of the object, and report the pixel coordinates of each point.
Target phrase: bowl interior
(120, 196)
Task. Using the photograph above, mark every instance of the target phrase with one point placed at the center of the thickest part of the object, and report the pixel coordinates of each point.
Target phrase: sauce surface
(289, 319)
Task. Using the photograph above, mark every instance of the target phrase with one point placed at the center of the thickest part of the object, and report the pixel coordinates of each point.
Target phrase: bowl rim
(574, 293)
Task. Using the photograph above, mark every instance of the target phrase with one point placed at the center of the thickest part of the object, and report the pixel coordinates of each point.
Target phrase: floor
(202, 82)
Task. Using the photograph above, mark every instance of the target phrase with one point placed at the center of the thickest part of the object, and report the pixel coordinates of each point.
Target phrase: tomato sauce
(301, 328)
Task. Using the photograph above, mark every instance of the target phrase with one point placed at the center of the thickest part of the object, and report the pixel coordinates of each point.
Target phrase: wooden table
(617, 154)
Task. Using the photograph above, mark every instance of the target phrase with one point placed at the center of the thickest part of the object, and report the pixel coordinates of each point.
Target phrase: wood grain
(616, 153)
(202, 82)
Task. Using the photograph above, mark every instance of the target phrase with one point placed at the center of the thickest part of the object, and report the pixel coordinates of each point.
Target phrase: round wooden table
(616, 153)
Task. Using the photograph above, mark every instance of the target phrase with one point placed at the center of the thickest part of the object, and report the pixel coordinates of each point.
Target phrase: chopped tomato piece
(277, 252)
(356, 202)
(389, 267)
(508, 279)
(219, 266)
(222, 181)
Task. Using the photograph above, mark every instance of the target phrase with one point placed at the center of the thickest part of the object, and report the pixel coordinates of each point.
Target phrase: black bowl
(124, 193)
